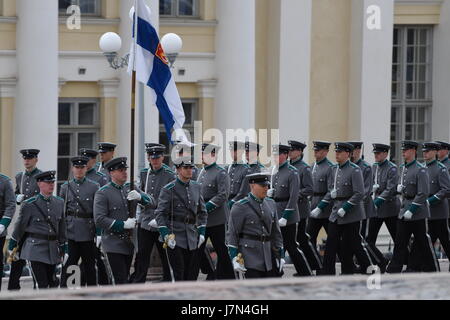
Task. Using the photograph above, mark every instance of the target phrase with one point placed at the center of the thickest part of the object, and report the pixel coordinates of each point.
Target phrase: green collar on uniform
(382, 163)
(255, 198)
(183, 183)
(159, 170)
(359, 161)
(32, 172)
(115, 185)
(79, 181)
(254, 164)
(411, 163)
(283, 165)
(431, 162)
(322, 161)
(444, 160)
(299, 159)
(343, 165)
(210, 166)
(44, 198)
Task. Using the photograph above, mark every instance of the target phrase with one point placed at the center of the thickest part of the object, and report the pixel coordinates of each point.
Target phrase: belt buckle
(262, 238)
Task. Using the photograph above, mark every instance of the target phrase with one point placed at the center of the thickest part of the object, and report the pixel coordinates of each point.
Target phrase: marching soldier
(92, 173)
(112, 216)
(285, 191)
(183, 151)
(42, 229)
(26, 188)
(387, 204)
(321, 173)
(437, 202)
(106, 150)
(347, 193)
(215, 186)
(236, 171)
(254, 232)
(152, 180)
(304, 208)
(78, 195)
(7, 210)
(181, 217)
(414, 188)
(444, 148)
(252, 150)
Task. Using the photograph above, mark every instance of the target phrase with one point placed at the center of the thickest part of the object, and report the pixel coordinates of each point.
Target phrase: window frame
(176, 10)
(97, 13)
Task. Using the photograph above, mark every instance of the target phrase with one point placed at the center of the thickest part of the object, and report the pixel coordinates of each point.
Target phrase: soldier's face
(280, 158)
(106, 156)
(119, 176)
(91, 163)
(429, 155)
(236, 155)
(30, 163)
(208, 158)
(295, 154)
(251, 156)
(185, 173)
(443, 153)
(380, 156)
(342, 156)
(356, 154)
(156, 163)
(46, 188)
(409, 154)
(260, 191)
(320, 154)
(79, 172)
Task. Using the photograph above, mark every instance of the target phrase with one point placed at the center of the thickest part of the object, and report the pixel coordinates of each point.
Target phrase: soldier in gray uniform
(152, 180)
(112, 216)
(321, 173)
(26, 188)
(181, 217)
(444, 148)
(252, 150)
(78, 195)
(415, 189)
(347, 192)
(7, 210)
(215, 186)
(304, 208)
(236, 171)
(437, 202)
(106, 150)
(42, 228)
(386, 202)
(92, 173)
(284, 191)
(182, 151)
(254, 232)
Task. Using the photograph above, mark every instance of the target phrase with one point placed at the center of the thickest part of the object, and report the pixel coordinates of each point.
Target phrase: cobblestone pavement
(392, 287)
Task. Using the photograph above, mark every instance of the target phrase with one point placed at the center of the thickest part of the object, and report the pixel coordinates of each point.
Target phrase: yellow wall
(6, 135)
(208, 9)
(85, 39)
(188, 90)
(80, 90)
(206, 113)
(417, 14)
(8, 8)
(195, 39)
(108, 112)
(110, 9)
(8, 36)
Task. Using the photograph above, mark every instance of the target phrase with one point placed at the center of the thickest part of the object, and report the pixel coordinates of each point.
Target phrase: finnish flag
(152, 68)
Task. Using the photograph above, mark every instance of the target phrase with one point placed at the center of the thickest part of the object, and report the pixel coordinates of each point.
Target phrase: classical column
(7, 100)
(207, 94)
(235, 65)
(371, 72)
(36, 110)
(108, 108)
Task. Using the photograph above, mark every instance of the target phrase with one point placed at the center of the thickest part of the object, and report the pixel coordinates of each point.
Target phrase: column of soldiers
(251, 215)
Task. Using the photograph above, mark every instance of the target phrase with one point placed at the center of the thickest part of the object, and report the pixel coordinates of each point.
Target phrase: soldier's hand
(153, 223)
(2, 228)
(130, 223)
(64, 259)
(134, 195)
(201, 239)
(19, 198)
(315, 213)
(341, 212)
(282, 222)
(170, 241)
(237, 266)
(280, 264)
(98, 241)
(407, 215)
(270, 192)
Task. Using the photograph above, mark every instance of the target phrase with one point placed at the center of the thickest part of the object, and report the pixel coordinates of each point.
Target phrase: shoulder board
(59, 198)
(391, 164)
(106, 186)
(246, 165)
(144, 170)
(365, 164)
(291, 167)
(5, 177)
(31, 200)
(165, 166)
(220, 168)
(260, 165)
(354, 165)
(269, 199)
(305, 164)
(169, 170)
(18, 174)
(194, 182)
(101, 174)
(66, 183)
(331, 164)
(441, 165)
(92, 181)
(243, 201)
(420, 165)
(169, 186)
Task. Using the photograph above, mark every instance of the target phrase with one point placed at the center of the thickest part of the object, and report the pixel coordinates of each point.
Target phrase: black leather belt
(80, 214)
(186, 220)
(342, 198)
(42, 236)
(409, 198)
(319, 194)
(261, 238)
(281, 199)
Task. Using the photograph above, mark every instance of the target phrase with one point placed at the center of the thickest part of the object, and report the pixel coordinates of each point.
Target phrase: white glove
(153, 223)
(282, 222)
(270, 192)
(19, 198)
(98, 241)
(237, 266)
(134, 195)
(316, 212)
(280, 264)
(65, 258)
(130, 223)
(2, 228)
(171, 243)
(201, 239)
(333, 194)
(375, 187)
(399, 188)
(10, 252)
(407, 215)
(341, 212)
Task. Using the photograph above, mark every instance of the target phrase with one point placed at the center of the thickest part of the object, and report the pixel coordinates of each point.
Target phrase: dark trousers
(404, 231)
(2, 243)
(146, 240)
(85, 251)
(307, 247)
(374, 226)
(44, 274)
(184, 263)
(313, 227)
(347, 239)
(256, 274)
(101, 274)
(290, 244)
(15, 273)
(120, 266)
(224, 266)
